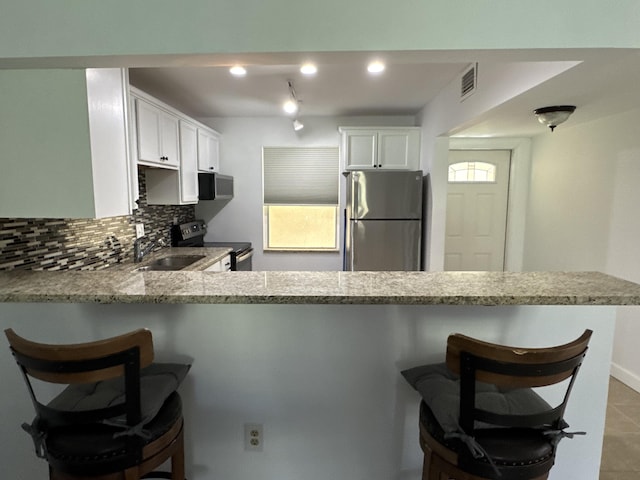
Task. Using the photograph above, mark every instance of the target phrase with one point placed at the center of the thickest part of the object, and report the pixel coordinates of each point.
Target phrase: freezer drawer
(383, 245)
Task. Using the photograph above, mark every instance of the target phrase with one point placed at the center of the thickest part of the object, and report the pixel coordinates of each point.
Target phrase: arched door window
(472, 172)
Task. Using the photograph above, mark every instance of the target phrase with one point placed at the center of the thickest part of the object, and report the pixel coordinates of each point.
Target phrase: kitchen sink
(173, 262)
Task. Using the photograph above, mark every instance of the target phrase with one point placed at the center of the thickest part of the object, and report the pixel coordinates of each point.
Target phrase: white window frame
(297, 172)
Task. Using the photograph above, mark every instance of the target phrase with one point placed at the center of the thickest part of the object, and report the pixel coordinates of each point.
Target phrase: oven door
(243, 260)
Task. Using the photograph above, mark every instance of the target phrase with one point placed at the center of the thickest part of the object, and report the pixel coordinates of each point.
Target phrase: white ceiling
(604, 83)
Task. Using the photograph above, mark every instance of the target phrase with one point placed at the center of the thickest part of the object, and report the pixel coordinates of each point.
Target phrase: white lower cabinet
(64, 138)
(223, 265)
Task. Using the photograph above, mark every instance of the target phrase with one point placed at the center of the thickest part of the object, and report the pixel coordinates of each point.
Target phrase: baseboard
(627, 377)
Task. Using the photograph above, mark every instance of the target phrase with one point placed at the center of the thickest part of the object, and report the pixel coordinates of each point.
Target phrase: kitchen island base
(323, 380)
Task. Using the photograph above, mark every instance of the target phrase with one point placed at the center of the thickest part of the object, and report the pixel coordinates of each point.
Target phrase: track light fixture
(292, 106)
(554, 116)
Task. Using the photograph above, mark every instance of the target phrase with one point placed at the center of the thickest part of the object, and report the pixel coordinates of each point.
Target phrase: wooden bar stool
(119, 416)
(480, 416)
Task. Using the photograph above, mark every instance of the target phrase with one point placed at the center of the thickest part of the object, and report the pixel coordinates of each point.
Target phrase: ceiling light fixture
(292, 104)
(238, 71)
(297, 125)
(308, 69)
(376, 67)
(554, 116)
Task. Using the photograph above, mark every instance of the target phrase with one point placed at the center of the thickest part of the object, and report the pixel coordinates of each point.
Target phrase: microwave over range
(213, 186)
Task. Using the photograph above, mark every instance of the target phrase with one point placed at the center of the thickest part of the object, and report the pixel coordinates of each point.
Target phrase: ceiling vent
(468, 81)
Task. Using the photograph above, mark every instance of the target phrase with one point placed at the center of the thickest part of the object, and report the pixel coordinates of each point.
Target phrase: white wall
(241, 156)
(571, 193)
(324, 380)
(442, 116)
(583, 213)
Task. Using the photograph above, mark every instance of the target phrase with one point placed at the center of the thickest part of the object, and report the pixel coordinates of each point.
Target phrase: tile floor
(621, 449)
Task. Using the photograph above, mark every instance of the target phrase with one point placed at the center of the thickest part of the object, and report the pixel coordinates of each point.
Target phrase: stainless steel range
(192, 235)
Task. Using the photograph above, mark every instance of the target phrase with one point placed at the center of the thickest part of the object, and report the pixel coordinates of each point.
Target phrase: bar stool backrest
(120, 356)
(512, 368)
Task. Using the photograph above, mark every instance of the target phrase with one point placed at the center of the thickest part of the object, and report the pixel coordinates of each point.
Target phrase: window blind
(300, 175)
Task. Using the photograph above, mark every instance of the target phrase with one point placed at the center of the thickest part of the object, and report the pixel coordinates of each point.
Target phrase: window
(475, 172)
(300, 195)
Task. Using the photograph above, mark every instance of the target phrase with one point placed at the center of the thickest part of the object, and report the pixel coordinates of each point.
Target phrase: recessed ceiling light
(238, 71)
(375, 67)
(308, 69)
(290, 106)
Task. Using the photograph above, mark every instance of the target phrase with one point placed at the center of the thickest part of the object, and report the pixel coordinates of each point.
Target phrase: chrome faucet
(139, 253)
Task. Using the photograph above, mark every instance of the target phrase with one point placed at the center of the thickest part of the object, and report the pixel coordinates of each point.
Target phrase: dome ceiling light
(554, 116)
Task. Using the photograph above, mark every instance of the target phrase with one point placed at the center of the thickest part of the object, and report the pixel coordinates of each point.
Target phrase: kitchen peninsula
(314, 356)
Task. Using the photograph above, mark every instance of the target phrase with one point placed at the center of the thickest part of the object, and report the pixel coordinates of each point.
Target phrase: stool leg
(131, 474)
(177, 460)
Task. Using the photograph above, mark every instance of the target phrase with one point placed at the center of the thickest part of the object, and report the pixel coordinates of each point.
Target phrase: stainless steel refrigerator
(383, 221)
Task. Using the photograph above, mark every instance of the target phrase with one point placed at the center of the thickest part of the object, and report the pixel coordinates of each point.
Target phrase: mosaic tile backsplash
(85, 244)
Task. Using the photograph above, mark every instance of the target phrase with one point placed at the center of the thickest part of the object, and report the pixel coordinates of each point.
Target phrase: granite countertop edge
(190, 286)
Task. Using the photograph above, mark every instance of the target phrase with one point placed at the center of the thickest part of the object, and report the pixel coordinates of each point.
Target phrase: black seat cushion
(157, 382)
(528, 451)
(505, 446)
(440, 390)
(92, 449)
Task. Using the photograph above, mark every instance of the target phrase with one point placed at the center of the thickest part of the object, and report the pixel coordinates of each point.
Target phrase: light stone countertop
(122, 285)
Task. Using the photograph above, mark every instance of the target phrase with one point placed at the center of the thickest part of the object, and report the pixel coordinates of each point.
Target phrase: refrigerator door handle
(352, 249)
(354, 213)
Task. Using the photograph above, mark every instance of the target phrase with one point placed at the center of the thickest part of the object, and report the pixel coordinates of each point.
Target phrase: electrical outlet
(139, 230)
(253, 437)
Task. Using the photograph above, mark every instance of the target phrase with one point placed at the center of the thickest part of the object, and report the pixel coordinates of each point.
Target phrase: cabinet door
(188, 163)
(148, 122)
(360, 149)
(208, 151)
(169, 139)
(398, 149)
(157, 136)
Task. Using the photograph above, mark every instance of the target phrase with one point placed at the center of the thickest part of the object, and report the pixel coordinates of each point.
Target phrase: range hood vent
(468, 81)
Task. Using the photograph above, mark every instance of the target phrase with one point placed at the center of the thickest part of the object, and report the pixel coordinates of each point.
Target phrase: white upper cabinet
(64, 143)
(208, 150)
(177, 187)
(161, 130)
(188, 162)
(388, 148)
(157, 135)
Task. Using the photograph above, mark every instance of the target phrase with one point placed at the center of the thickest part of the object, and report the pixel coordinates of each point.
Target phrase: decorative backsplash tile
(85, 244)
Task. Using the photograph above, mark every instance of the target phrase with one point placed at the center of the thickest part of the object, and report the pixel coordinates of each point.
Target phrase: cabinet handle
(380, 166)
(210, 168)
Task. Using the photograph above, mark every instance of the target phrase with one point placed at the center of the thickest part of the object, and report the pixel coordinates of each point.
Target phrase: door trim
(518, 190)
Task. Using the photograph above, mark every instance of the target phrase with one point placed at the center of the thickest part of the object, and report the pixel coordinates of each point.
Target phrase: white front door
(477, 197)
